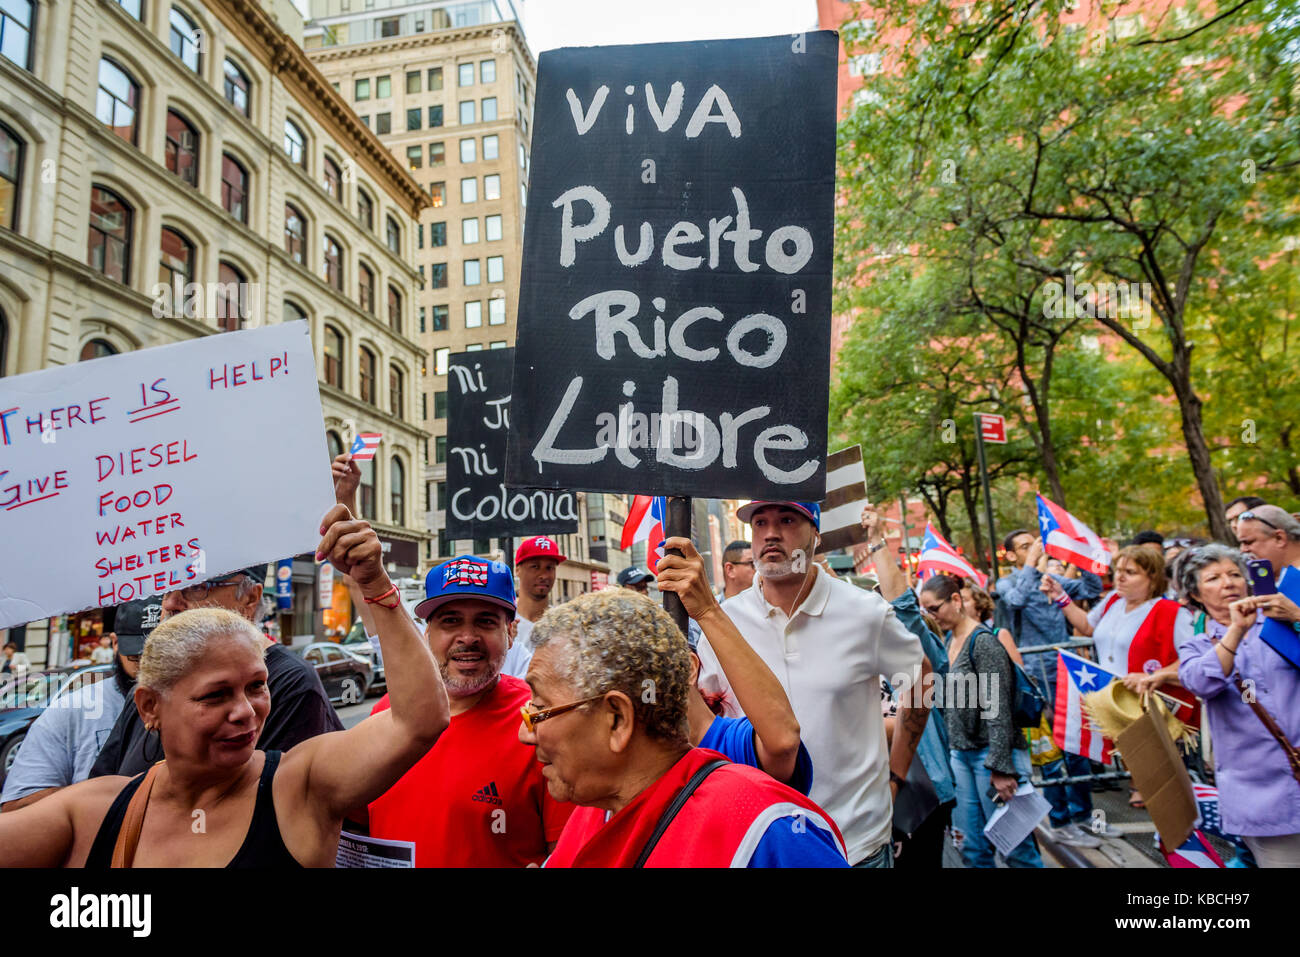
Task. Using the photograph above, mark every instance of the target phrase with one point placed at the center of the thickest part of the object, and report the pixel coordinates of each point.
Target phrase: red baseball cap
(539, 547)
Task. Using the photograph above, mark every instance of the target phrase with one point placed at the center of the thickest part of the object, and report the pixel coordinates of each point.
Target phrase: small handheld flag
(938, 556)
(364, 447)
(646, 520)
(1076, 677)
(1067, 538)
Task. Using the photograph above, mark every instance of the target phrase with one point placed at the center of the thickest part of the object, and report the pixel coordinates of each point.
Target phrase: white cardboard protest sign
(140, 473)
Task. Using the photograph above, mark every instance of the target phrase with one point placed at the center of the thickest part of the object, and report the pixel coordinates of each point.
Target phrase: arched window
(97, 349)
(365, 288)
(396, 392)
(295, 234)
(333, 357)
(118, 102)
(237, 86)
(367, 372)
(16, 20)
(397, 490)
(11, 175)
(182, 151)
(176, 270)
(333, 179)
(109, 244)
(132, 7)
(394, 236)
(333, 262)
(366, 489)
(292, 312)
(232, 298)
(334, 443)
(185, 39)
(365, 211)
(4, 342)
(234, 188)
(295, 144)
(394, 310)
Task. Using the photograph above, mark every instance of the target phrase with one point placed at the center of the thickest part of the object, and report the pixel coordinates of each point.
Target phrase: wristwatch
(876, 547)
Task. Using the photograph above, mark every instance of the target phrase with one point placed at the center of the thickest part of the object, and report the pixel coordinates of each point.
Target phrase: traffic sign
(993, 428)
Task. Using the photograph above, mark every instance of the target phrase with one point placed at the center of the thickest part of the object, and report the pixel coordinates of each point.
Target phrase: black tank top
(263, 847)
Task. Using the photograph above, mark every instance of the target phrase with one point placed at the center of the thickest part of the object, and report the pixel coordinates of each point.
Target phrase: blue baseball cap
(467, 577)
(809, 510)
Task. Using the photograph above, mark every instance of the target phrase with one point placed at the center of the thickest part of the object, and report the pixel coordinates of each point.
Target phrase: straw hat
(1115, 707)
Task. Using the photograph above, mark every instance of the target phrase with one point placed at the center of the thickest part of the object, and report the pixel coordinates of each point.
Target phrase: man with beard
(535, 562)
(478, 798)
(62, 743)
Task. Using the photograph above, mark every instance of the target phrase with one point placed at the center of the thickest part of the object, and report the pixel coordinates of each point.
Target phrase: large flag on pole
(1076, 677)
(646, 521)
(1067, 538)
(938, 556)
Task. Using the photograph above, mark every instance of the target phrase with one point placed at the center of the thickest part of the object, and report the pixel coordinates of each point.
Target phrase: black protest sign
(478, 420)
(675, 302)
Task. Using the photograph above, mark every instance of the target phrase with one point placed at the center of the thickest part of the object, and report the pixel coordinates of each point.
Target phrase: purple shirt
(1258, 796)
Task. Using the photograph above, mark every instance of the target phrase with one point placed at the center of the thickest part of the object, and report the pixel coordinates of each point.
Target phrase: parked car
(370, 651)
(23, 698)
(346, 676)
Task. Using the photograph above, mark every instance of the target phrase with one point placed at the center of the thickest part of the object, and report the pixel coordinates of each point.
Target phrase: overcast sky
(560, 23)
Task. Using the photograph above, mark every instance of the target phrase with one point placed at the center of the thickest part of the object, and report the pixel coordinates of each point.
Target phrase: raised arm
(346, 769)
(892, 580)
(759, 694)
(1075, 615)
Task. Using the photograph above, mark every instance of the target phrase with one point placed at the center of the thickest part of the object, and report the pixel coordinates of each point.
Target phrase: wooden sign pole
(679, 526)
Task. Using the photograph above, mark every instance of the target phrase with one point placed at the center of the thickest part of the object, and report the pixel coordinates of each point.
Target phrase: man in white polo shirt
(829, 643)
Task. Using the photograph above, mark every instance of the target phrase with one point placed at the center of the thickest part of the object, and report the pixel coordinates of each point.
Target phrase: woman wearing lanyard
(1133, 630)
(1259, 794)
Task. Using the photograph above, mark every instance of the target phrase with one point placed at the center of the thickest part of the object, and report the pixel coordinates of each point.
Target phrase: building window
(393, 235)
(397, 489)
(396, 392)
(419, 236)
(109, 246)
(437, 154)
(365, 211)
(492, 186)
(333, 444)
(422, 320)
(466, 74)
(176, 269)
(492, 227)
(383, 87)
(185, 38)
(383, 123)
(11, 172)
(414, 157)
(394, 310)
(440, 405)
(334, 357)
(118, 101)
(439, 449)
(489, 109)
(469, 231)
(361, 89)
(466, 112)
(232, 298)
(437, 234)
(16, 31)
(440, 318)
(333, 179)
(97, 349)
(295, 144)
(523, 157)
(496, 312)
(236, 86)
(290, 312)
(234, 188)
(474, 347)
(496, 269)
(467, 150)
(366, 489)
(473, 315)
(435, 116)
(413, 81)
(366, 368)
(438, 193)
(366, 288)
(435, 78)
(295, 234)
(487, 71)
(413, 119)
(440, 360)
(333, 262)
(469, 190)
(390, 26)
(182, 150)
(497, 344)
(491, 147)
(438, 276)
(365, 121)
(473, 272)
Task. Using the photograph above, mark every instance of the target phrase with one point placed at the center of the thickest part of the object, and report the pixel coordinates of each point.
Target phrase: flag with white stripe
(1071, 731)
(937, 555)
(846, 497)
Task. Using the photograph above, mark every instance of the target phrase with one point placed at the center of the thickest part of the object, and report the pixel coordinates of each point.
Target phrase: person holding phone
(1272, 534)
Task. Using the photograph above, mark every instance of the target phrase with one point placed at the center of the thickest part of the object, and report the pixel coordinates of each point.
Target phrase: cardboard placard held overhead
(140, 473)
(478, 419)
(675, 301)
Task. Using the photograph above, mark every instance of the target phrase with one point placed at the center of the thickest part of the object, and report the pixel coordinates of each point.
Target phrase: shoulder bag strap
(128, 835)
(1273, 728)
(671, 811)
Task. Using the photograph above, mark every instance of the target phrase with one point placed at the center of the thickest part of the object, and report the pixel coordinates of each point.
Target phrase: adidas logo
(488, 794)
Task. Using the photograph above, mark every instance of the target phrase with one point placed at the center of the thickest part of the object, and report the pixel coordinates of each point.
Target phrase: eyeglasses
(750, 564)
(192, 593)
(1258, 518)
(533, 718)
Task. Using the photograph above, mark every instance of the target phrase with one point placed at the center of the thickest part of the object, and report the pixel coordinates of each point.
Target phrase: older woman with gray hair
(1252, 704)
(610, 681)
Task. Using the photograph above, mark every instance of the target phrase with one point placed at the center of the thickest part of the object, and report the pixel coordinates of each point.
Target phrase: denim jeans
(1071, 803)
(975, 807)
(882, 858)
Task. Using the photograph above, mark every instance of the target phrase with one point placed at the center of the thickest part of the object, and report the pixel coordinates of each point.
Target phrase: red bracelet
(380, 600)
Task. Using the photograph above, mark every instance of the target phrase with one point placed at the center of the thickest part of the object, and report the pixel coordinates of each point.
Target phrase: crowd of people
(790, 724)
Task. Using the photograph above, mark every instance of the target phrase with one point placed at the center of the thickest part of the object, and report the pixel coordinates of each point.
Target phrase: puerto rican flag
(646, 521)
(1067, 538)
(463, 572)
(1193, 852)
(938, 556)
(364, 447)
(1076, 677)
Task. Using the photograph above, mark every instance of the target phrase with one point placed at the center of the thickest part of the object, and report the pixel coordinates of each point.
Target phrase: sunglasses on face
(534, 718)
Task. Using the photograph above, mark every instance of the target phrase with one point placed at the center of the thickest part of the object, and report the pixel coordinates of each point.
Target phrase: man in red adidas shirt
(478, 798)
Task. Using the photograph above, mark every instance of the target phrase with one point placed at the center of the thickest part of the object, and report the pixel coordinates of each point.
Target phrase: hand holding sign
(684, 575)
(352, 547)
